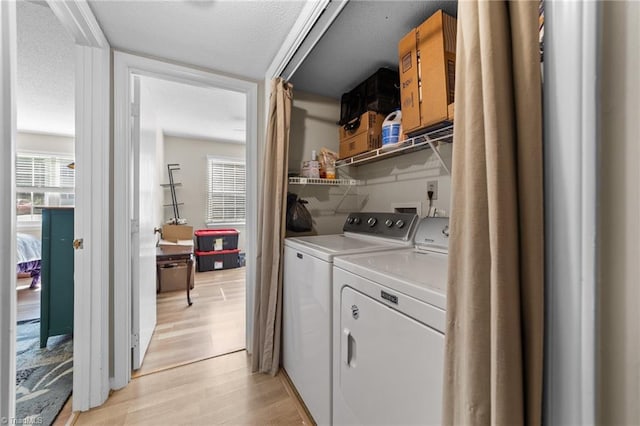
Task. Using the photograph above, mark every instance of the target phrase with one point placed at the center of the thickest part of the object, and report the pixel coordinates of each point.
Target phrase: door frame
(91, 272)
(7, 210)
(571, 143)
(91, 219)
(126, 65)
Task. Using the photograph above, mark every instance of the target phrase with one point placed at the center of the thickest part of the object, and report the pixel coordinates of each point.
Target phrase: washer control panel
(391, 225)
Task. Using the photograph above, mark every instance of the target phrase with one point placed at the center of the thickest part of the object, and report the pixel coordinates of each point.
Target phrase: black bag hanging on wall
(298, 217)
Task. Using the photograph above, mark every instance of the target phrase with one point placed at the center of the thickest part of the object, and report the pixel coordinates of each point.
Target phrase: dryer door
(390, 366)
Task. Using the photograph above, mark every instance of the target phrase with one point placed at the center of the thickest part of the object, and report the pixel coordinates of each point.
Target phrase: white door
(390, 367)
(144, 220)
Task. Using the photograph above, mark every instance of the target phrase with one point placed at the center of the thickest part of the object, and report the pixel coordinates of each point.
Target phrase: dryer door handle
(348, 347)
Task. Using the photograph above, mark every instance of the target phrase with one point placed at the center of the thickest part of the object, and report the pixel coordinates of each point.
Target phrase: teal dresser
(56, 295)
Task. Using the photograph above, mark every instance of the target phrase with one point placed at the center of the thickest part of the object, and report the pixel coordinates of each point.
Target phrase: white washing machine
(307, 304)
(388, 332)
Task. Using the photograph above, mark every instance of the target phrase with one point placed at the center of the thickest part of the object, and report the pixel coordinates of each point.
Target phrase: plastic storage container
(215, 260)
(380, 93)
(391, 128)
(216, 239)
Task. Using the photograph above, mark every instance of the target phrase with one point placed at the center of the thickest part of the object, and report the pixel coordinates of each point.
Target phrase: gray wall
(313, 126)
(619, 302)
(192, 154)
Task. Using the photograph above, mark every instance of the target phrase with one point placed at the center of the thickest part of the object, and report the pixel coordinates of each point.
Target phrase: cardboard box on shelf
(358, 144)
(176, 233)
(427, 72)
(363, 138)
(369, 122)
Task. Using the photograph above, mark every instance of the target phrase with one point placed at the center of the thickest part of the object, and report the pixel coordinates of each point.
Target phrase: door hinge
(135, 340)
(135, 109)
(78, 243)
(135, 226)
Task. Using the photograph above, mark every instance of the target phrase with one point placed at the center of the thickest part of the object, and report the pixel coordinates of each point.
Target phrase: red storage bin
(216, 239)
(215, 260)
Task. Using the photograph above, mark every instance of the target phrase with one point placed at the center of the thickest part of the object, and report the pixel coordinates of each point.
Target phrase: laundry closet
(363, 312)
(363, 38)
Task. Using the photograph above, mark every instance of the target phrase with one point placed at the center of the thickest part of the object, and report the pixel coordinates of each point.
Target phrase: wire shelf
(426, 140)
(297, 180)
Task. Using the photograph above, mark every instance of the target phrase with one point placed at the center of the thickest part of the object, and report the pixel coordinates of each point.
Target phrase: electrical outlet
(432, 185)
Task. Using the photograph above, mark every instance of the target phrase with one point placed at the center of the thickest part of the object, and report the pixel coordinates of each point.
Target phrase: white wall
(313, 126)
(619, 302)
(49, 144)
(403, 179)
(192, 154)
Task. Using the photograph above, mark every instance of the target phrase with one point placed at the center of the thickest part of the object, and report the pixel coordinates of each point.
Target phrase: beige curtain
(267, 314)
(494, 336)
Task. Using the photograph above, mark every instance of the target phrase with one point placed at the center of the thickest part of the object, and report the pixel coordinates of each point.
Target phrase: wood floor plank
(28, 300)
(212, 326)
(219, 390)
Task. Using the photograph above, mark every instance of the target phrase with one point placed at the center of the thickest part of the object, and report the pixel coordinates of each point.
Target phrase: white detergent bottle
(391, 128)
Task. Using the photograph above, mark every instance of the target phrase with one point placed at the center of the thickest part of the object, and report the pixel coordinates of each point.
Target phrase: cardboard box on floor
(174, 278)
(176, 233)
(427, 58)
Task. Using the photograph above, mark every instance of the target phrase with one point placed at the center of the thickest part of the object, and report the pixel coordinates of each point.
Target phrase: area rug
(44, 377)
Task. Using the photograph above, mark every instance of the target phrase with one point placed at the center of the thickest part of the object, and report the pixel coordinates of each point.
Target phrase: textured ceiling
(363, 38)
(237, 37)
(197, 112)
(45, 74)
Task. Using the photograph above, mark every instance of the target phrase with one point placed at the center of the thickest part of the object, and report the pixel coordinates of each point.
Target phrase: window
(227, 187)
(42, 180)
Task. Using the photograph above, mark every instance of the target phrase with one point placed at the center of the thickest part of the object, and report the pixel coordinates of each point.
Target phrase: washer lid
(417, 273)
(327, 246)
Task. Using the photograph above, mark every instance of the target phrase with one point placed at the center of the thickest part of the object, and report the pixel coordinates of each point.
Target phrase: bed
(29, 257)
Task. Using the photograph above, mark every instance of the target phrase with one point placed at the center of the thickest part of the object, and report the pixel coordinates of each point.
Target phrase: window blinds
(227, 186)
(44, 172)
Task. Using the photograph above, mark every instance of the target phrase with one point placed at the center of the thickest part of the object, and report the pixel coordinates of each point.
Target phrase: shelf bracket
(436, 150)
(346, 192)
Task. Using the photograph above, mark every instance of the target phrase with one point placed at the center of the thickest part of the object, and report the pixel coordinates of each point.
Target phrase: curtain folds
(267, 314)
(494, 339)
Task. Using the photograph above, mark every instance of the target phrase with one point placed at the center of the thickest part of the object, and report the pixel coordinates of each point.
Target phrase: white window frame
(225, 160)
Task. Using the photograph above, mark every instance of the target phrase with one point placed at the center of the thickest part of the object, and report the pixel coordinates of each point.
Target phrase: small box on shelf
(363, 135)
(310, 169)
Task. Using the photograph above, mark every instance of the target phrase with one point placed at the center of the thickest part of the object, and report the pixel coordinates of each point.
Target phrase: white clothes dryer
(388, 332)
(307, 304)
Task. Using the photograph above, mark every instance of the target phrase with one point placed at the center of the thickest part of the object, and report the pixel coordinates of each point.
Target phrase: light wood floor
(212, 326)
(214, 391)
(28, 300)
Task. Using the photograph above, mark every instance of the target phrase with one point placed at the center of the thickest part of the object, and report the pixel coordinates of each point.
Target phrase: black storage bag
(298, 217)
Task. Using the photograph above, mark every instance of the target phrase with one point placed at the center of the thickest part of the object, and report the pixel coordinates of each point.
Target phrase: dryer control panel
(400, 226)
(433, 234)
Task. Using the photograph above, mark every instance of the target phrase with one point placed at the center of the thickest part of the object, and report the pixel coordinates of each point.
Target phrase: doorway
(189, 173)
(45, 199)
(127, 66)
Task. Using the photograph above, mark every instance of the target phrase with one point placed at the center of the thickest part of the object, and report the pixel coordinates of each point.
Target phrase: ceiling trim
(180, 135)
(312, 38)
(78, 19)
(303, 25)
